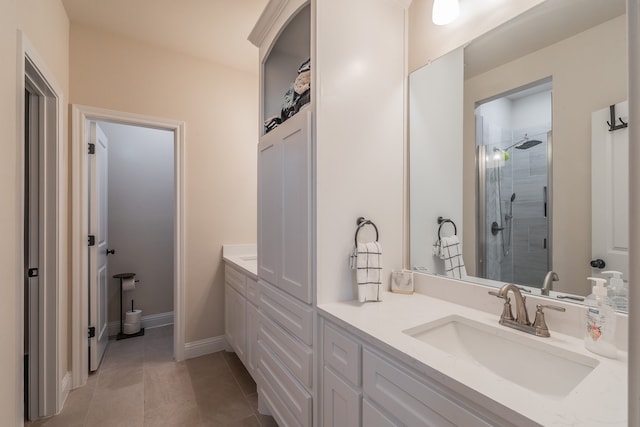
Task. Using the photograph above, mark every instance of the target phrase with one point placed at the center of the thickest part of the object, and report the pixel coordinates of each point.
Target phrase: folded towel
(305, 66)
(453, 264)
(271, 123)
(436, 249)
(369, 263)
(302, 82)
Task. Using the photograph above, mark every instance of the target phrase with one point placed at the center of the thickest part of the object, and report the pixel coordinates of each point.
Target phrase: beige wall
(219, 106)
(9, 353)
(46, 25)
(428, 41)
(589, 73)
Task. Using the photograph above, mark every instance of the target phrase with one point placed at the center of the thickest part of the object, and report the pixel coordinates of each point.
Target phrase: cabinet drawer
(295, 398)
(293, 354)
(411, 401)
(278, 409)
(340, 403)
(371, 417)
(342, 353)
(252, 291)
(235, 279)
(292, 315)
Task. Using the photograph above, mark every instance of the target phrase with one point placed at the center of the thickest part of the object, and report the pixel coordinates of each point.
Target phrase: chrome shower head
(528, 143)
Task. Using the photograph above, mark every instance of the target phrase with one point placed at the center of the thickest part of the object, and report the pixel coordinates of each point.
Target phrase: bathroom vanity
(417, 359)
(437, 357)
(410, 361)
(240, 302)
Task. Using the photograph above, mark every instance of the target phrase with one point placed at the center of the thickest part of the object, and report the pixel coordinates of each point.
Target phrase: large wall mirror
(510, 151)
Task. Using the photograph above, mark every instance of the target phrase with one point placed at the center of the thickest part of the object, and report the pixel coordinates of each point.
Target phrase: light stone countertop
(599, 399)
(243, 257)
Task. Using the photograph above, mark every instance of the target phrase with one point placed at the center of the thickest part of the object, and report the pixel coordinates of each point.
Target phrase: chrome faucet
(547, 284)
(522, 317)
(521, 321)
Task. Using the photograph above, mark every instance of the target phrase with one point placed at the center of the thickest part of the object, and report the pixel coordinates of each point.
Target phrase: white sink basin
(526, 361)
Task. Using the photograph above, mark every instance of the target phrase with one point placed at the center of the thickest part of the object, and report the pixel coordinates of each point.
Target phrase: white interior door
(610, 190)
(98, 277)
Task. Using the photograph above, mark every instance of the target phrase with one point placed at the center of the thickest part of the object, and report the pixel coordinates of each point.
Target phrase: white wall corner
(206, 346)
(63, 393)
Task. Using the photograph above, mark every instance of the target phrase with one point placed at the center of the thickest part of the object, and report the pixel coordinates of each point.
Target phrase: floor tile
(139, 384)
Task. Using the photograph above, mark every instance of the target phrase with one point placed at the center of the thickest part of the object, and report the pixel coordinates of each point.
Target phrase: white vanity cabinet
(285, 356)
(365, 386)
(341, 372)
(339, 157)
(251, 361)
(241, 316)
(284, 206)
(235, 311)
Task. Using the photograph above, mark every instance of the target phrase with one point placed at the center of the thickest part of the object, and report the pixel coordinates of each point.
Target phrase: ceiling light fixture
(445, 11)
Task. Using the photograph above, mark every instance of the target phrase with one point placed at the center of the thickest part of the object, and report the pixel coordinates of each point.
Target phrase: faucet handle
(495, 294)
(506, 308)
(542, 330)
(552, 307)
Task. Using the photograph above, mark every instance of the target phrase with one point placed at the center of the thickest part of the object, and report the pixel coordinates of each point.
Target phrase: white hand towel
(453, 264)
(368, 271)
(369, 263)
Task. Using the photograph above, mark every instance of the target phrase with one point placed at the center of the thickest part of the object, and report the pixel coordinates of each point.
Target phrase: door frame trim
(53, 376)
(80, 117)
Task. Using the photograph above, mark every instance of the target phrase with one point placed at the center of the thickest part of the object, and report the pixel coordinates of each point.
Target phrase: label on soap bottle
(596, 323)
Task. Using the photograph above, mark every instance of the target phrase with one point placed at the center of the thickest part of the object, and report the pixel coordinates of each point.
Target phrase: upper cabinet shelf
(285, 62)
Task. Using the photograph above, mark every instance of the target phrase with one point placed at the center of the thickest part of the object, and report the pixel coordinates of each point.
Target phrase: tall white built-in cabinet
(341, 156)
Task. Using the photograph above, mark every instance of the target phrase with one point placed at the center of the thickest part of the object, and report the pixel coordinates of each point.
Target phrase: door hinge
(92, 331)
(92, 148)
(92, 240)
(32, 272)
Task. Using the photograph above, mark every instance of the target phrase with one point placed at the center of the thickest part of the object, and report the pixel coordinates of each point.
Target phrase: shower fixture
(524, 144)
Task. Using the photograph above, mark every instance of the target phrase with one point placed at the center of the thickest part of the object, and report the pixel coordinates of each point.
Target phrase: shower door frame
(481, 206)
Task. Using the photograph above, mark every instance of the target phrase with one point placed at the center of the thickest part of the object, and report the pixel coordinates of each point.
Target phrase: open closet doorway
(144, 224)
(40, 161)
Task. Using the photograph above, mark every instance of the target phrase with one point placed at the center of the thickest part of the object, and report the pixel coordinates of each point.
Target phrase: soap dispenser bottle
(600, 319)
(618, 291)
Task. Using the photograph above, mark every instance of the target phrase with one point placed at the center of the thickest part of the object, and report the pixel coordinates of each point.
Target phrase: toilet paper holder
(122, 277)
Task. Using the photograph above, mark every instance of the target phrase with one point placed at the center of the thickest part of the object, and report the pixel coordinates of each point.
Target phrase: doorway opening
(126, 252)
(139, 224)
(42, 320)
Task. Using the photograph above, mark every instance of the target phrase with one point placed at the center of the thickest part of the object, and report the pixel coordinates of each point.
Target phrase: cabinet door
(340, 402)
(296, 202)
(252, 340)
(229, 329)
(372, 417)
(414, 401)
(284, 207)
(270, 207)
(235, 306)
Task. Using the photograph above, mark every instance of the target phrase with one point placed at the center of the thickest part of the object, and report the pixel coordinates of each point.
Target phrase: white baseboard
(150, 321)
(205, 346)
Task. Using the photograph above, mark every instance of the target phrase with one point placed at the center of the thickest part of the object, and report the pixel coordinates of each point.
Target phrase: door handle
(111, 251)
(598, 263)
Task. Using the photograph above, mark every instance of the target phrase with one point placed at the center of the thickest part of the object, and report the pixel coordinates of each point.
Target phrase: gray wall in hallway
(141, 216)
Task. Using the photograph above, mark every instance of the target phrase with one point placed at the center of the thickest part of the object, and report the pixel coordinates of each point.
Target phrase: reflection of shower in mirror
(514, 130)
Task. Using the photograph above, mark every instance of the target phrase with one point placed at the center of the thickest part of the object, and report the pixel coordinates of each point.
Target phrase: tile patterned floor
(139, 384)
